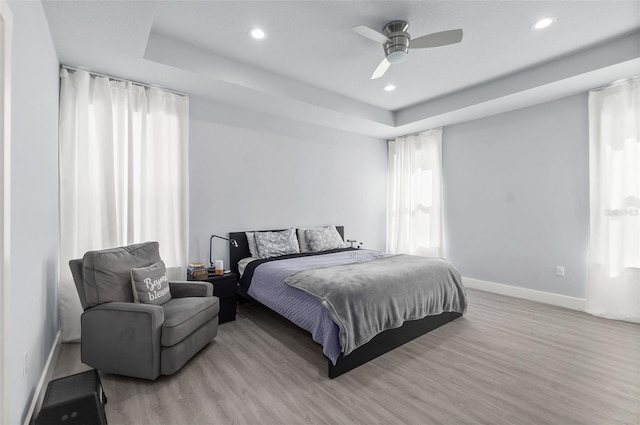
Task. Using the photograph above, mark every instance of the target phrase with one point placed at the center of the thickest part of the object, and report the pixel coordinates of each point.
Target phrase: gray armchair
(123, 337)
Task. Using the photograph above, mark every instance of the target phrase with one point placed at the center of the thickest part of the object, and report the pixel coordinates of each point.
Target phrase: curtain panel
(613, 289)
(414, 194)
(123, 158)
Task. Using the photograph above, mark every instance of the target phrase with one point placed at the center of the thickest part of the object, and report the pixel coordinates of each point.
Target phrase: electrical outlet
(25, 357)
(560, 271)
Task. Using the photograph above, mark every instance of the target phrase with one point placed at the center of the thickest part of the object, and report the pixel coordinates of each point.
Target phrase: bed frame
(380, 344)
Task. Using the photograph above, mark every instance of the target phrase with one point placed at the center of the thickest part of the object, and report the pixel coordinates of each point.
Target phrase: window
(124, 175)
(614, 168)
(414, 201)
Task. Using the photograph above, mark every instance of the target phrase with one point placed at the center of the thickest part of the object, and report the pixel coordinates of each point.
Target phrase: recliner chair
(124, 337)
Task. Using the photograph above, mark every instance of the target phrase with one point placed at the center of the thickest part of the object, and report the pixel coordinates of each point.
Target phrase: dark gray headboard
(242, 251)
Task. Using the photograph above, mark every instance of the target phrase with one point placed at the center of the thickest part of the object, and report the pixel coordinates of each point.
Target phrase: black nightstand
(224, 287)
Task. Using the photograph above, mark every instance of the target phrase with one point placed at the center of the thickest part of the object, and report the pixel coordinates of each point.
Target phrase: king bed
(358, 304)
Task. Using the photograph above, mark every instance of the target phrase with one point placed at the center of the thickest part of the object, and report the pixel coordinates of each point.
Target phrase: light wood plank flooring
(508, 361)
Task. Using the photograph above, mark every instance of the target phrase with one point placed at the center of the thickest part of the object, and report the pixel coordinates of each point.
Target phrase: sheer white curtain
(414, 200)
(123, 175)
(614, 166)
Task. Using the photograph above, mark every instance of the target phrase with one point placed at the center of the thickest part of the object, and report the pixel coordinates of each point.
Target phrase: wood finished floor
(508, 361)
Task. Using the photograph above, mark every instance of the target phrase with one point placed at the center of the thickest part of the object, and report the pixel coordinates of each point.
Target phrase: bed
(264, 280)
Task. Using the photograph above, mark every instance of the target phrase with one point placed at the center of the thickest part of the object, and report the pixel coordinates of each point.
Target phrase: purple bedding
(268, 287)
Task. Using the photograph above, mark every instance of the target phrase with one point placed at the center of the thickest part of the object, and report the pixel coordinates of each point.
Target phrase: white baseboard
(527, 294)
(47, 373)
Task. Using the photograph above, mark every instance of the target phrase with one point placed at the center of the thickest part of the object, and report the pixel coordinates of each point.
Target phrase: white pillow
(323, 239)
(242, 264)
(251, 240)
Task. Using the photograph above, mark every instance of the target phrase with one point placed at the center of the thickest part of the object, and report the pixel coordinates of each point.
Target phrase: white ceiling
(313, 68)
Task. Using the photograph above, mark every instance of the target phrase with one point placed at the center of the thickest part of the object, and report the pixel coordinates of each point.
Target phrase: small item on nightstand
(352, 241)
(197, 271)
(219, 267)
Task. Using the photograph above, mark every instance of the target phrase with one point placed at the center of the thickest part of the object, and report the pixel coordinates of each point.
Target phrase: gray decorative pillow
(150, 284)
(323, 239)
(302, 239)
(274, 244)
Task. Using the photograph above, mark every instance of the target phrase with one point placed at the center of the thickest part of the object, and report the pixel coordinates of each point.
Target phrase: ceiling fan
(396, 42)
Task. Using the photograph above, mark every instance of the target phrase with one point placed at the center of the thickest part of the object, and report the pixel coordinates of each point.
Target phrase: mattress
(435, 287)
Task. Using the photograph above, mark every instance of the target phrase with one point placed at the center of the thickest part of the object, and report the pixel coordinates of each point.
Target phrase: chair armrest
(191, 289)
(137, 308)
(123, 338)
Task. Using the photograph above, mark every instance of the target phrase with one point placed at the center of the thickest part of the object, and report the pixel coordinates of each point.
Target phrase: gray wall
(516, 196)
(290, 174)
(32, 314)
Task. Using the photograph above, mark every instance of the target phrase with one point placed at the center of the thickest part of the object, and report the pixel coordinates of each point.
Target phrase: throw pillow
(323, 239)
(150, 284)
(274, 244)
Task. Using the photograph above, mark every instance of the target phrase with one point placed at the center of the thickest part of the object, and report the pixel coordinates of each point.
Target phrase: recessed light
(389, 87)
(257, 33)
(543, 23)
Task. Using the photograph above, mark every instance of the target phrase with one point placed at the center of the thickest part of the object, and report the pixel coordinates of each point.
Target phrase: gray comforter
(365, 299)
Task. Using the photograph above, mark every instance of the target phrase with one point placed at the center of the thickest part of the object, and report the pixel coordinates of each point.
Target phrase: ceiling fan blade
(436, 39)
(381, 69)
(371, 34)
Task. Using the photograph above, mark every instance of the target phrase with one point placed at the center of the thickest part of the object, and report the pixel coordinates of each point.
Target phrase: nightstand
(224, 287)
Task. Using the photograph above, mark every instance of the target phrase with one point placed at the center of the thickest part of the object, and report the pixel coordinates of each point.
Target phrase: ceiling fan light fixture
(398, 56)
(257, 33)
(396, 42)
(543, 23)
